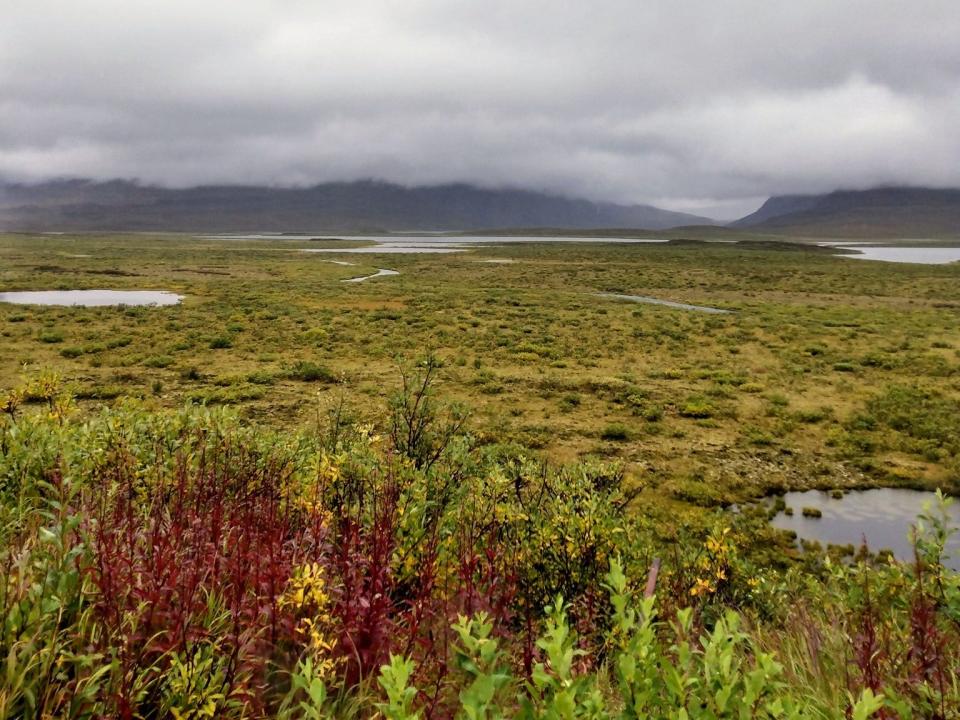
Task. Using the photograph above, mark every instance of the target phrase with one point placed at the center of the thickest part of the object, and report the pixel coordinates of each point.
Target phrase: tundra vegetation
(470, 490)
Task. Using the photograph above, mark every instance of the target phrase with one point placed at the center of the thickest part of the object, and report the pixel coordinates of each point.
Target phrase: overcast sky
(688, 104)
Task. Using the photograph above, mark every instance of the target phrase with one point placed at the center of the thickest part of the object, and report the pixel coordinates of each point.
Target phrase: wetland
(799, 369)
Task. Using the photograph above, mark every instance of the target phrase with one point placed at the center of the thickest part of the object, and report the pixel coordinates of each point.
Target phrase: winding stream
(382, 272)
(666, 303)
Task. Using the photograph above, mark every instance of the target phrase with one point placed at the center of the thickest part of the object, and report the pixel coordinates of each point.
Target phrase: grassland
(812, 380)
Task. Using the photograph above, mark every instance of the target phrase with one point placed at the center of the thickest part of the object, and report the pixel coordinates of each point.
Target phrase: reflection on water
(883, 516)
(91, 298)
(667, 303)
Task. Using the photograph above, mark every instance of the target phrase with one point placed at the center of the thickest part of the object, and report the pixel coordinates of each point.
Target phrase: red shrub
(162, 547)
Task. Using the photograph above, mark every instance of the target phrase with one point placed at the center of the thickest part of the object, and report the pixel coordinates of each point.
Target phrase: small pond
(91, 298)
(939, 255)
(883, 516)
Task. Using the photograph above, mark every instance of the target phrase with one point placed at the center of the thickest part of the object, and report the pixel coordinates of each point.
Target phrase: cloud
(682, 103)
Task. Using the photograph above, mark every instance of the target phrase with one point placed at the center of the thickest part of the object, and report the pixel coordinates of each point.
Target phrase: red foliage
(221, 526)
(365, 604)
(160, 549)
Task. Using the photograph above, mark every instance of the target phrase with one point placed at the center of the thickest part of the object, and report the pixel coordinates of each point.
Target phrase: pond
(91, 298)
(883, 516)
(666, 303)
(939, 255)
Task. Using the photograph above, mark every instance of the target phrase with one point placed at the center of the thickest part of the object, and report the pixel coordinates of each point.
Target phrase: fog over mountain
(890, 212)
(698, 106)
(357, 206)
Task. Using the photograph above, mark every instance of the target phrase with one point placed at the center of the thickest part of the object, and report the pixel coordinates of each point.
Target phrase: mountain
(887, 212)
(350, 206)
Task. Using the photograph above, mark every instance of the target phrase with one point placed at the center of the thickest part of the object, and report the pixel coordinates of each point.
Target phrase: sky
(693, 105)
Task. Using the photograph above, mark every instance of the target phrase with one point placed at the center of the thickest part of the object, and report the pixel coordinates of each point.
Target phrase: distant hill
(889, 212)
(348, 206)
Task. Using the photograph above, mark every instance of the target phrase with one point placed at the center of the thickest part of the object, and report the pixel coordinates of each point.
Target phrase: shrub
(307, 371)
(182, 563)
(50, 336)
(158, 361)
(697, 407)
(570, 401)
(652, 413)
(420, 428)
(616, 432)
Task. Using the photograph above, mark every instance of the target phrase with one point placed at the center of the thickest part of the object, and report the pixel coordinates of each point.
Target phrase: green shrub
(617, 432)
(158, 361)
(50, 336)
(307, 371)
(697, 407)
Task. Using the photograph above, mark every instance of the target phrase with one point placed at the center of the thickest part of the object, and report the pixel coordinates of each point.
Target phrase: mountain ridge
(881, 212)
(364, 205)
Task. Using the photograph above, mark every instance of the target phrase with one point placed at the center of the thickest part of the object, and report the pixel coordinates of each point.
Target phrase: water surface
(666, 303)
(414, 243)
(433, 240)
(883, 516)
(382, 272)
(91, 298)
(391, 249)
(921, 255)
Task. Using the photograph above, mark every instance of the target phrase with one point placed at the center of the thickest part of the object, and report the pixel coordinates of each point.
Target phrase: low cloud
(690, 105)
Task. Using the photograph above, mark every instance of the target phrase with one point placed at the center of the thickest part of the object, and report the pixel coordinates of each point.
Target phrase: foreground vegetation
(189, 564)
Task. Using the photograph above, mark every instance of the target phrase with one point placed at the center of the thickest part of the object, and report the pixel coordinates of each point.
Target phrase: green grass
(772, 391)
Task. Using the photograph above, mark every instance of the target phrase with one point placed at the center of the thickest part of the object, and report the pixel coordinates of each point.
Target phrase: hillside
(892, 212)
(355, 206)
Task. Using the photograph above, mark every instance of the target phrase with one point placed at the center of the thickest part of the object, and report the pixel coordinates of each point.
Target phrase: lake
(882, 515)
(91, 298)
(413, 243)
(920, 255)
